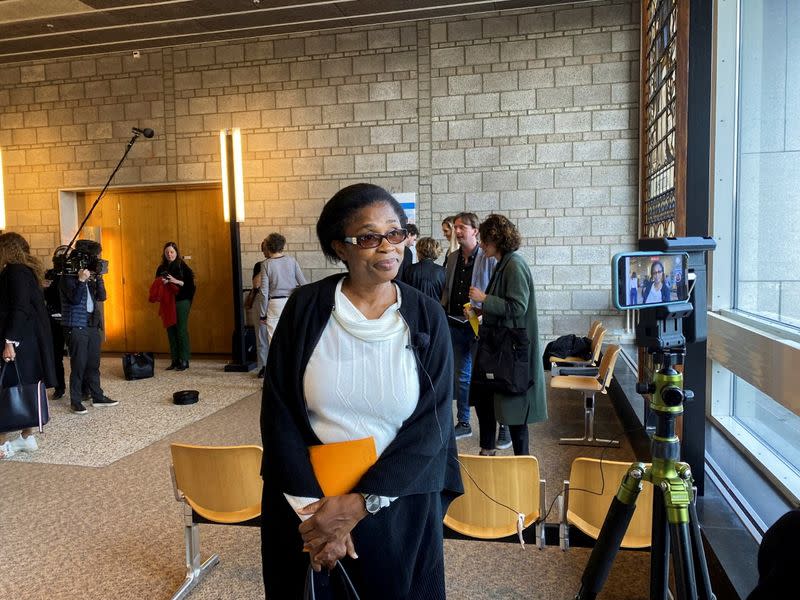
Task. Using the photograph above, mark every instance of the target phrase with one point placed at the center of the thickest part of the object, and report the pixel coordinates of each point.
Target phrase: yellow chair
(585, 508)
(491, 482)
(218, 484)
(578, 361)
(589, 385)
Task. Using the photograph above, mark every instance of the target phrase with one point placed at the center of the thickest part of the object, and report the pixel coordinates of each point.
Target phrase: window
(754, 328)
(767, 271)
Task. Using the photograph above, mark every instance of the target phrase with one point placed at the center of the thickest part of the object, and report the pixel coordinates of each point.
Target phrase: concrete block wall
(532, 113)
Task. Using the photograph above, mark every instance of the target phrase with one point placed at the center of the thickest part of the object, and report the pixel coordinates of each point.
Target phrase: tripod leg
(685, 584)
(701, 565)
(614, 527)
(605, 549)
(659, 550)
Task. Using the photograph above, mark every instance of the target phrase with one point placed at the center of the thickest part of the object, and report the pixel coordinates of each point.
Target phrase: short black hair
(412, 229)
(342, 207)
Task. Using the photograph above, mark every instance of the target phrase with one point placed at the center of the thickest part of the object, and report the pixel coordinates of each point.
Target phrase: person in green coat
(509, 301)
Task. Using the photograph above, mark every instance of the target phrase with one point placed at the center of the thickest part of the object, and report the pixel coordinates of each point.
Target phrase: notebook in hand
(340, 466)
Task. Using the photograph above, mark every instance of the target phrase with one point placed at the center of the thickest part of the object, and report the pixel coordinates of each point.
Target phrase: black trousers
(58, 351)
(84, 359)
(488, 429)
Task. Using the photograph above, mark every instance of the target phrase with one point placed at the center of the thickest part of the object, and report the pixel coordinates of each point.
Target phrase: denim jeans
(464, 347)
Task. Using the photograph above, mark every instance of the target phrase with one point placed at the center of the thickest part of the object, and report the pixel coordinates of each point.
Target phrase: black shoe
(261, 373)
(172, 365)
(182, 365)
(78, 409)
(58, 393)
(105, 401)
(503, 438)
(463, 430)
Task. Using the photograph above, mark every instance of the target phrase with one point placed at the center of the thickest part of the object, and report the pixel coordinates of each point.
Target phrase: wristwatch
(372, 503)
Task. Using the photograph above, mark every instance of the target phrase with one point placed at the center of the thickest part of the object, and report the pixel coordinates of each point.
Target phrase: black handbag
(23, 405)
(138, 365)
(344, 587)
(501, 362)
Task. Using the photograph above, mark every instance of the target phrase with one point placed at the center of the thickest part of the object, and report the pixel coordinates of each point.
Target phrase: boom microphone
(146, 132)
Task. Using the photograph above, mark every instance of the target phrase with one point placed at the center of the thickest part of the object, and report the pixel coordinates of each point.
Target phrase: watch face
(372, 503)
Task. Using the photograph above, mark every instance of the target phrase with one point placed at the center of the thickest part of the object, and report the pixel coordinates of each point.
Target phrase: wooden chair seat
(585, 507)
(590, 386)
(512, 481)
(221, 484)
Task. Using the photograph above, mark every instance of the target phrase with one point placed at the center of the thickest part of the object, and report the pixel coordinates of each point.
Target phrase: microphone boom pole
(136, 133)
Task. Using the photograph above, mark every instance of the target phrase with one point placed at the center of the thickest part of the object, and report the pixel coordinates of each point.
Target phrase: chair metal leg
(195, 571)
(563, 526)
(588, 438)
(540, 532)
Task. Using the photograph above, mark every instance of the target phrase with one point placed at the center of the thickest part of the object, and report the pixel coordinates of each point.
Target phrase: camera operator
(82, 296)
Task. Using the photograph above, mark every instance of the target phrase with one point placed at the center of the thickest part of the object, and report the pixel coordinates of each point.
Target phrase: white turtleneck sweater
(361, 379)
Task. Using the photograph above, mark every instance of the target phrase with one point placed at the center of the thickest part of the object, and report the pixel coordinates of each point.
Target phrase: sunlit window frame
(777, 345)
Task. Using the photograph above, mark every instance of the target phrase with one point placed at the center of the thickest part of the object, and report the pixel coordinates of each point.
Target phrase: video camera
(85, 255)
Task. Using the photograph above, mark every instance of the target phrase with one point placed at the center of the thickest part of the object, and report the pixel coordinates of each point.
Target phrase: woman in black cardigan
(24, 327)
(359, 355)
(174, 270)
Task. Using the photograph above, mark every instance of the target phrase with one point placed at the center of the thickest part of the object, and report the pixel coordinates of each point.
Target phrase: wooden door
(149, 220)
(204, 240)
(134, 226)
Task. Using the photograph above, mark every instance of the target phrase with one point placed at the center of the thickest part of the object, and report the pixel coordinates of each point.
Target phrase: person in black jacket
(426, 275)
(82, 298)
(24, 326)
(359, 355)
(174, 270)
(52, 297)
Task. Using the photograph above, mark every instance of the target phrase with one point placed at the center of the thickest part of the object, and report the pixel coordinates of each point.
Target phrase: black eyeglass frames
(373, 240)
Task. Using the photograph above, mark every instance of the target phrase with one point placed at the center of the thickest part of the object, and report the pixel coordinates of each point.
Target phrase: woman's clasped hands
(326, 534)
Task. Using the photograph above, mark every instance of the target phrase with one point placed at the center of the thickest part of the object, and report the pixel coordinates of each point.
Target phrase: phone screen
(645, 279)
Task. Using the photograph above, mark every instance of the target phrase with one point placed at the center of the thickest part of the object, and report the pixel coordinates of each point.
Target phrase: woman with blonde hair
(24, 327)
(449, 232)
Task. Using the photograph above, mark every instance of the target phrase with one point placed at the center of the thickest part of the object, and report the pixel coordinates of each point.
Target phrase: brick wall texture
(531, 113)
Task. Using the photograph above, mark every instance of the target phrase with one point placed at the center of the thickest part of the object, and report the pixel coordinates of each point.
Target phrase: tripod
(675, 528)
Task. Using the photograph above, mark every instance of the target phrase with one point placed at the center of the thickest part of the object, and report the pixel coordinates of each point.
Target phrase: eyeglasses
(657, 272)
(373, 240)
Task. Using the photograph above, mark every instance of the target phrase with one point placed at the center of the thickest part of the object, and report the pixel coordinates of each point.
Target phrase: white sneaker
(22, 444)
(7, 450)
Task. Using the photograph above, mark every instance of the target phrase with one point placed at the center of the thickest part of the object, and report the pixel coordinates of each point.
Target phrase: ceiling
(41, 29)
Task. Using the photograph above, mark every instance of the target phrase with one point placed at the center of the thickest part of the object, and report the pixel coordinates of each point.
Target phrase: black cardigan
(24, 319)
(180, 270)
(419, 465)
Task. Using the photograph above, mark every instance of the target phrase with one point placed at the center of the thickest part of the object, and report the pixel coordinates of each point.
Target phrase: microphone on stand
(146, 132)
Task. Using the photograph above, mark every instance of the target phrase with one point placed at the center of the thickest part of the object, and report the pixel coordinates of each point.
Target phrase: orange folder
(341, 465)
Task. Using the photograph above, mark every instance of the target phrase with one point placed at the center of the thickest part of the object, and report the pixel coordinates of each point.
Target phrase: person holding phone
(174, 270)
(655, 289)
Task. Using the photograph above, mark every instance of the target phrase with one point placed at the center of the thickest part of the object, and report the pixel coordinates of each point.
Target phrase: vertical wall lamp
(2, 196)
(230, 148)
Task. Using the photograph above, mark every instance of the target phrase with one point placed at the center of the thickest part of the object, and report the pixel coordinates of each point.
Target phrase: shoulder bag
(138, 365)
(501, 362)
(24, 405)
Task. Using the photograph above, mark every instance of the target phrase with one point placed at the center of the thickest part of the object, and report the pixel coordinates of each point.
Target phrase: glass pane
(774, 426)
(767, 280)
